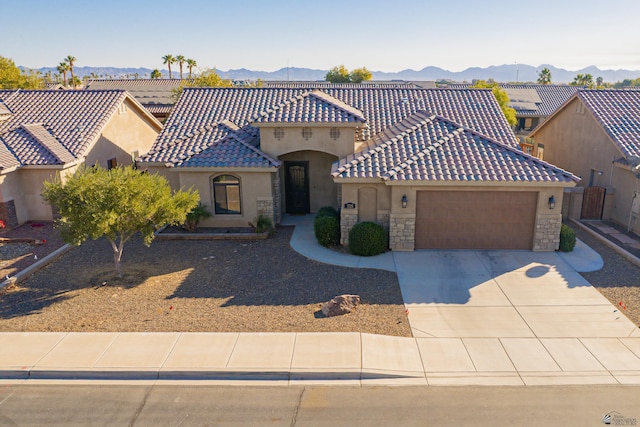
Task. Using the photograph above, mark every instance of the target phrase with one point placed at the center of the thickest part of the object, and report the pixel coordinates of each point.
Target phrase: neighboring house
(43, 133)
(156, 95)
(53, 86)
(532, 102)
(437, 168)
(377, 84)
(596, 135)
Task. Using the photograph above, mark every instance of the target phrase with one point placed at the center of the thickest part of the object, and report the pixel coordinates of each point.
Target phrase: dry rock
(342, 304)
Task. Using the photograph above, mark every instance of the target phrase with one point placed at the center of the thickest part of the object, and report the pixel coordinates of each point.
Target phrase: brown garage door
(475, 219)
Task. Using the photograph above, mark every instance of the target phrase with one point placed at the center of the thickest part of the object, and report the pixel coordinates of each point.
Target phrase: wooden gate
(592, 203)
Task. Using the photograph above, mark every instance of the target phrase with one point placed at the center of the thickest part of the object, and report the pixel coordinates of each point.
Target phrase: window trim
(224, 185)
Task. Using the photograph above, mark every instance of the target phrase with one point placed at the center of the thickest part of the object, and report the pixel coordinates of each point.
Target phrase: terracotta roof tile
(432, 148)
(618, 111)
(71, 118)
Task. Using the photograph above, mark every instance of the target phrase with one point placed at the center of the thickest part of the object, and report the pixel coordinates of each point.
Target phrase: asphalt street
(155, 404)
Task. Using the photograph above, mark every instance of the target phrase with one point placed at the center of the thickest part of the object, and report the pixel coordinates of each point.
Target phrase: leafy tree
(71, 61)
(359, 75)
(627, 83)
(208, 78)
(191, 63)
(544, 76)
(12, 78)
(501, 97)
(180, 59)
(156, 74)
(116, 204)
(338, 74)
(169, 59)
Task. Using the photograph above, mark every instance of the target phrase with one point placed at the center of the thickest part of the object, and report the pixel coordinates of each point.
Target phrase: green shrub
(367, 239)
(194, 217)
(328, 211)
(327, 230)
(264, 224)
(567, 238)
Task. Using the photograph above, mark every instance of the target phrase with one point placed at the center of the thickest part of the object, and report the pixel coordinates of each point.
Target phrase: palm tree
(156, 74)
(583, 80)
(71, 60)
(180, 60)
(544, 76)
(191, 63)
(63, 68)
(169, 59)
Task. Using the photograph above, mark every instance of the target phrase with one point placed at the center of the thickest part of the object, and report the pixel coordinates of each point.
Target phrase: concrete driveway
(500, 294)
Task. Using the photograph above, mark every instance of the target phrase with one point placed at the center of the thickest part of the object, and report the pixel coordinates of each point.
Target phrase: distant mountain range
(499, 73)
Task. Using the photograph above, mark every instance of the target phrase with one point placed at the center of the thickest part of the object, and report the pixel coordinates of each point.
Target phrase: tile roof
(53, 127)
(618, 112)
(311, 107)
(548, 98)
(148, 92)
(426, 147)
(325, 84)
(200, 110)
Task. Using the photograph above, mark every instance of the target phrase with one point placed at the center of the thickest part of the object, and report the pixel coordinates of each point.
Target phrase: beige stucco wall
(320, 140)
(125, 133)
(255, 187)
(402, 220)
(171, 174)
(576, 142)
(322, 190)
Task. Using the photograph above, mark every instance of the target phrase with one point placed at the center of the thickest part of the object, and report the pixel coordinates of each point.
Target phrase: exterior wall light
(404, 201)
(552, 202)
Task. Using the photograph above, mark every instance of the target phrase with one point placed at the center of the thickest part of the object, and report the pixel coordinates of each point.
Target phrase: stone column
(547, 235)
(347, 220)
(402, 232)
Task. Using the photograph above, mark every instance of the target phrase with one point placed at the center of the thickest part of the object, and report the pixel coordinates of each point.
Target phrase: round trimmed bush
(367, 239)
(567, 238)
(328, 211)
(327, 230)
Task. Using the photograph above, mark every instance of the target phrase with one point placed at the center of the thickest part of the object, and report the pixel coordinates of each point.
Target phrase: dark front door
(296, 187)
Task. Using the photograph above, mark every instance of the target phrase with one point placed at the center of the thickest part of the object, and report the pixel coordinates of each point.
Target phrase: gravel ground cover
(618, 280)
(215, 286)
(18, 256)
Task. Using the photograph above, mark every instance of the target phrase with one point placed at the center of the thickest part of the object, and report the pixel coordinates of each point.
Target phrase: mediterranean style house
(596, 135)
(44, 133)
(438, 168)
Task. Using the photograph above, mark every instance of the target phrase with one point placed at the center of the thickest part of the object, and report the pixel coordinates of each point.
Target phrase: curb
(23, 274)
(629, 256)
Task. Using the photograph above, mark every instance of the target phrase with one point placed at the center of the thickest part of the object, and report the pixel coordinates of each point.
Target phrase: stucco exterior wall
(322, 189)
(127, 132)
(321, 140)
(255, 195)
(575, 141)
(171, 174)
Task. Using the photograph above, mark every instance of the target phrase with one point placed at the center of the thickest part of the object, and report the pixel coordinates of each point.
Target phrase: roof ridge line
(377, 147)
(260, 152)
(281, 105)
(411, 159)
(323, 96)
(47, 146)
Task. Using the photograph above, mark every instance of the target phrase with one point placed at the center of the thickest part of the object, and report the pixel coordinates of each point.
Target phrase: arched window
(226, 192)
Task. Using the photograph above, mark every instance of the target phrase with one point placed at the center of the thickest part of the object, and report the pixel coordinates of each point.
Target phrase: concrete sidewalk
(318, 358)
(503, 319)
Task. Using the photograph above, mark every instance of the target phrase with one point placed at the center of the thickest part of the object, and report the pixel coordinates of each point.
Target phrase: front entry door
(296, 183)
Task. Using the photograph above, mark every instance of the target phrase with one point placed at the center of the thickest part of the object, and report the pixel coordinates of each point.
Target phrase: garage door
(475, 219)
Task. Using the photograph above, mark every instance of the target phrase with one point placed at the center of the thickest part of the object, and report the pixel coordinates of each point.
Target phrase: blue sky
(272, 34)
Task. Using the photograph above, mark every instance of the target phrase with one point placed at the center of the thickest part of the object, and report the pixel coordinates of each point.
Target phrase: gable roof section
(432, 148)
(618, 112)
(236, 150)
(311, 107)
(382, 108)
(175, 151)
(48, 141)
(146, 91)
(69, 122)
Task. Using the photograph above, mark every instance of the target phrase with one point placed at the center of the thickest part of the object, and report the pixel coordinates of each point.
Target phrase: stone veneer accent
(402, 232)
(547, 234)
(347, 221)
(383, 219)
(277, 208)
(8, 214)
(264, 205)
